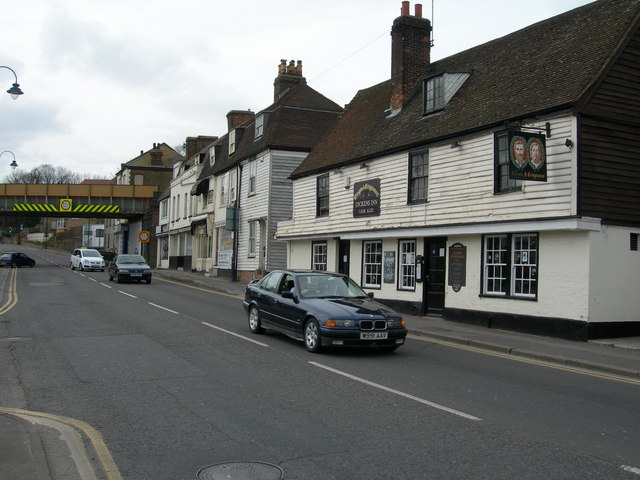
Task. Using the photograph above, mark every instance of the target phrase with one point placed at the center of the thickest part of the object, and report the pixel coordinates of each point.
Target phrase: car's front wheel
(312, 336)
(72, 267)
(254, 320)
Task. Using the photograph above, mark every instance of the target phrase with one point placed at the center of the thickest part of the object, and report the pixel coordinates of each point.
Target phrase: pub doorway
(435, 261)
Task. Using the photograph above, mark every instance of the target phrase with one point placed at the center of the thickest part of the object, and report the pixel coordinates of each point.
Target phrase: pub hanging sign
(366, 198)
(527, 156)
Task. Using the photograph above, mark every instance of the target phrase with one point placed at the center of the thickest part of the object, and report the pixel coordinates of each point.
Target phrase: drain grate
(241, 471)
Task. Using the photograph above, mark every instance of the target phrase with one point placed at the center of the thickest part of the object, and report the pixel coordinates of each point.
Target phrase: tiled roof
(296, 121)
(169, 157)
(547, 66)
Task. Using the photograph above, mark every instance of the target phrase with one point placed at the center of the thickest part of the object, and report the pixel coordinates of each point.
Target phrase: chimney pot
(289, 75)
(410, 54)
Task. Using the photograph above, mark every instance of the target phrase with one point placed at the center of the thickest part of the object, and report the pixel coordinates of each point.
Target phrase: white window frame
(319, 256)
(251, 241)
(524, 265)
(212, 156)
(253, 169)
(164, 208)
(372, 264)
(186, 206)
(259, 125)
(232, 141)
(434, 94)
(407, 265)
(224, 189)
(510, 265)
(232, 186)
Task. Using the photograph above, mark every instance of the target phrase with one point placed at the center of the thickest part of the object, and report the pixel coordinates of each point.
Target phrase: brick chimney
(195, 144)
(156, 154)
(410, 53)
(235, 118)
(288, 77)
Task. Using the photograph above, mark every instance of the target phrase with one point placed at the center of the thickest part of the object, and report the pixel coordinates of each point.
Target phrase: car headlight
(395, 322)
(123, 270)
(333, 323)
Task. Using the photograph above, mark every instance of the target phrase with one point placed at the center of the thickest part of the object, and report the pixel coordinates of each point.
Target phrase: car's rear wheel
(254, 320)
(312, 336)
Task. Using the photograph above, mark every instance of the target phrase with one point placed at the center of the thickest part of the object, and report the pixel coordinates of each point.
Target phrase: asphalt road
(174, 382)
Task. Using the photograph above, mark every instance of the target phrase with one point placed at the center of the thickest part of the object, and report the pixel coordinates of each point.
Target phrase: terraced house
(243, 189)
(498, 186)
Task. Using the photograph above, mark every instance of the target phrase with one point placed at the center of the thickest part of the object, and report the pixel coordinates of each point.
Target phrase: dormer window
(232, 141)
(259, 125)
(212, 156)
(438, 91)
(434, 94)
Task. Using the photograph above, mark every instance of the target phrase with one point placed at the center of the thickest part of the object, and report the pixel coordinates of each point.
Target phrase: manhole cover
(241, 471)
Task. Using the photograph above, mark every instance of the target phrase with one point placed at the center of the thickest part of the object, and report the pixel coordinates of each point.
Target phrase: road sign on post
(144, 236)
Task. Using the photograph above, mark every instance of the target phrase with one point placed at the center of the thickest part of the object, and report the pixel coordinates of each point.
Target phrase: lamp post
(14, 91)
(13, 164)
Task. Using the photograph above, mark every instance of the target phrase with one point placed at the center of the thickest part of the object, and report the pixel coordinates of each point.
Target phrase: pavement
(33, 451)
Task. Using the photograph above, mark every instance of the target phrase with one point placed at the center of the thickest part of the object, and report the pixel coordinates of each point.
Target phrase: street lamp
(14, 91)
(13, 164)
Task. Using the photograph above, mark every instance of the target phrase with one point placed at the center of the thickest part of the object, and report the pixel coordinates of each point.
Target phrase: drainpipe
(234, 260)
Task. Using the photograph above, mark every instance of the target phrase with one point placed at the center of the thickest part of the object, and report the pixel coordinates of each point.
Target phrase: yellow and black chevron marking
(27, 207)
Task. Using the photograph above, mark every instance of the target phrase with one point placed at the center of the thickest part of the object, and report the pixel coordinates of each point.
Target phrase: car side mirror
(370, 294)
(288, 294)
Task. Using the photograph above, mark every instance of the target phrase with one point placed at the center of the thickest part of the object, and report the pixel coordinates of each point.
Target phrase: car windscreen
(130, 259)
(328, 286)
(91, 253)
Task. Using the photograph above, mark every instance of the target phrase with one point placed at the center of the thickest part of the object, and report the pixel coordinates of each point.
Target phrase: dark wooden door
(435, 262)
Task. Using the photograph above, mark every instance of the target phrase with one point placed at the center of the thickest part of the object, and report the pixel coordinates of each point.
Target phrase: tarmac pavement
(33, 450)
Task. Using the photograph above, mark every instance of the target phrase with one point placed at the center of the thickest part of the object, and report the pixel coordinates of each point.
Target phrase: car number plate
(136, 274)
(374, 335)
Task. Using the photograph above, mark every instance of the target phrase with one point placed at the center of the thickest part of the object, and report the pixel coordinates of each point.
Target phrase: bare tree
(44, 174)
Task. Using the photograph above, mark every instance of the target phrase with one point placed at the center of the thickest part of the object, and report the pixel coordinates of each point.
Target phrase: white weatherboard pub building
(499, 186)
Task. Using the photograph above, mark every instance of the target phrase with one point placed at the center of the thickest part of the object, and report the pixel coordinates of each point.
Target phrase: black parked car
(129, 267)
(322, 309)
(16, 259)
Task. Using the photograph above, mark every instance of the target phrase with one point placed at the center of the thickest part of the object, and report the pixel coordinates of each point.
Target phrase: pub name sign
(527, 156)
(366, 198)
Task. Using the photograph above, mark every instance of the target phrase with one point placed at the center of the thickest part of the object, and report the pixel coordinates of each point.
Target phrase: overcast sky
(105, 79)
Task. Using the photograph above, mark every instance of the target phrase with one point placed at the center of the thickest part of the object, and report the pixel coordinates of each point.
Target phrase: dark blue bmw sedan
(322, 309)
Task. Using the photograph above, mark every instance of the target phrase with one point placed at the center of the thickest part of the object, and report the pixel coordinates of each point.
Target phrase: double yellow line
(73, 431)
(12, 293)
